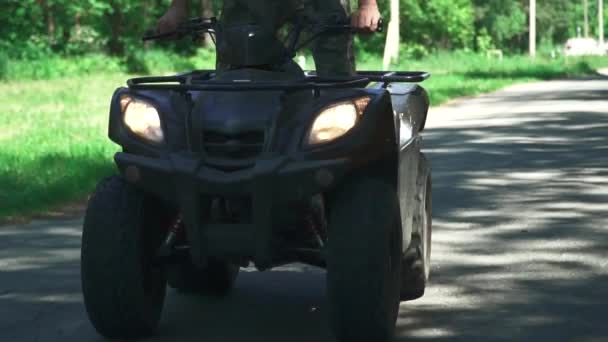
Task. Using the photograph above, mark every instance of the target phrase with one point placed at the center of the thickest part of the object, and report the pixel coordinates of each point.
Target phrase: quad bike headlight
(337, 120)
(142, 119)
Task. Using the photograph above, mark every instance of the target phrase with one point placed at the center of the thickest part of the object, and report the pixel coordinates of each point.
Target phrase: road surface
(520, 245)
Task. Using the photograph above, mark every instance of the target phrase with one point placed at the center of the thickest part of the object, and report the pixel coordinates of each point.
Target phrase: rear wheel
(364, 261)
(217, 278)
(124, 289)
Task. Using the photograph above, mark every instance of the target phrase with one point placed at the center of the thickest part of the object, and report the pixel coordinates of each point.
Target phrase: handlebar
(208, 25)
(191, 27)
(347, 27)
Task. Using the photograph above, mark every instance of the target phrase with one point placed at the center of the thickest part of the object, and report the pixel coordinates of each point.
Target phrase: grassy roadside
(53, 136)
(461, 74)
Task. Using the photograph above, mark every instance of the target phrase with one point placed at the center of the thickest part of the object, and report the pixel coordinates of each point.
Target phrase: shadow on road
(521, 214)
(521, 249)
(286, 305)
(39, 281)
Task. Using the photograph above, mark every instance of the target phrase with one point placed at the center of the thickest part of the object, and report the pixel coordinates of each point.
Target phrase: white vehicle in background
(583, 47)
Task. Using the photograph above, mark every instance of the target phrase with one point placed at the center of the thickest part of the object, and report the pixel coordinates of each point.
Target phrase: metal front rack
(202, 80)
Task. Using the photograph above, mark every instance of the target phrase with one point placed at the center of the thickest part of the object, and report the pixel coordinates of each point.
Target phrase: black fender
(411, 101)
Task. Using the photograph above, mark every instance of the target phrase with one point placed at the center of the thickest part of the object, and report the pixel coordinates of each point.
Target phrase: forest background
(61, 60)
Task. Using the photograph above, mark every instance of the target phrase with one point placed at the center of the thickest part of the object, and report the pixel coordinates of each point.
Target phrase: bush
(135, 63)
(84, 39)
(484, 41)
(35, 48)
(3, 66)
(414, 51)
(58, 67)
(204, 59)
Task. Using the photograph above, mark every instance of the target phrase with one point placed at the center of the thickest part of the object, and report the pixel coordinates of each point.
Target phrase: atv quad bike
(266, 164)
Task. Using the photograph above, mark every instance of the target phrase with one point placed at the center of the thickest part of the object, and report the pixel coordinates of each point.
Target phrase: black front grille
(240, 146)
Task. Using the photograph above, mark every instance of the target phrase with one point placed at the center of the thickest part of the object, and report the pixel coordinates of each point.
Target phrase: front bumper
(274, 181)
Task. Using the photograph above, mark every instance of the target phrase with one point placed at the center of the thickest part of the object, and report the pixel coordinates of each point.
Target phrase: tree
(505, 21)
(600, 20)
(440, 23)
(36, 28)
(393, 38)
(532, 28)
(207, 12)
(557, 19)
(586, 17)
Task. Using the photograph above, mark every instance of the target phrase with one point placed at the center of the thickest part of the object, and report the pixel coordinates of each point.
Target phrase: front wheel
(364, 261)
(124, 289)
(416, 265)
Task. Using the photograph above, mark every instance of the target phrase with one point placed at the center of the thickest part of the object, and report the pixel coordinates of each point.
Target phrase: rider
(333, 54)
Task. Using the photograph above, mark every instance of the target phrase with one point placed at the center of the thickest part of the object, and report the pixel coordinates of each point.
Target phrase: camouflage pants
(333, 54)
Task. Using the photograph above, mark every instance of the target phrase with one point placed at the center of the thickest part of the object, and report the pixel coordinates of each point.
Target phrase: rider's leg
(334, 55)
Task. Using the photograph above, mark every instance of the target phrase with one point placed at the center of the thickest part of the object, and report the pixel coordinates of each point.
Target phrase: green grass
(54, 141)
(54, 132)
(57, 67)
(462, 74)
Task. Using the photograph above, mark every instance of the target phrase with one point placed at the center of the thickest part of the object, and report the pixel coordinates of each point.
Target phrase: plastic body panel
(286, 170)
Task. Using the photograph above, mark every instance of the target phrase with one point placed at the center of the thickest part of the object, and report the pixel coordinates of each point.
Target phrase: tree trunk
(49, 20)
(393, 38)
(207, 12)
(532, 28)
(586, 17)
(50, 24)
(114, 20)
(600, 18)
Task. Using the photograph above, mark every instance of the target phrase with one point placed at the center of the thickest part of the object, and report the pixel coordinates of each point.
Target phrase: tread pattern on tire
(363, 217)
(414, 280)
(113, 282)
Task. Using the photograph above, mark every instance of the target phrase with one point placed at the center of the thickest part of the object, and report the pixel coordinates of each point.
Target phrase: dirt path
(520, 246)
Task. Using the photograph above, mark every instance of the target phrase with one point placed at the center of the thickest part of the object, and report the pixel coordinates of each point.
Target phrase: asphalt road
(520, 245)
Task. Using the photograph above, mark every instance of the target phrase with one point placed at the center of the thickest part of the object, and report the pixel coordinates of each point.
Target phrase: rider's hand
(171, 20)
(367, 17)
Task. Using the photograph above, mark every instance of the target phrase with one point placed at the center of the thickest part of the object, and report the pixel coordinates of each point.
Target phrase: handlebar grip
(381, 26)
(154, 35)
(192, 26)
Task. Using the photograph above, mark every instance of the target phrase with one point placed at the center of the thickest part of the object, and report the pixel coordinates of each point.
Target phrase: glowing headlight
(336, 121)
(142, 119)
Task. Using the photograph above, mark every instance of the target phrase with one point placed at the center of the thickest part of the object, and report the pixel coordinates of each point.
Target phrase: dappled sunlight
(39, 277)
(39, 247)
(521, 206)
(65, 298)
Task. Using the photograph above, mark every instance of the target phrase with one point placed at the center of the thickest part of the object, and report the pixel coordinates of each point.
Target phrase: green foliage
(35, 29)
(54, 67)
(439, 23)
(137, 62)
(83, 40)
(413, 51)
(3, 65)
(484, 41)
(503, 20)
(555, 19)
